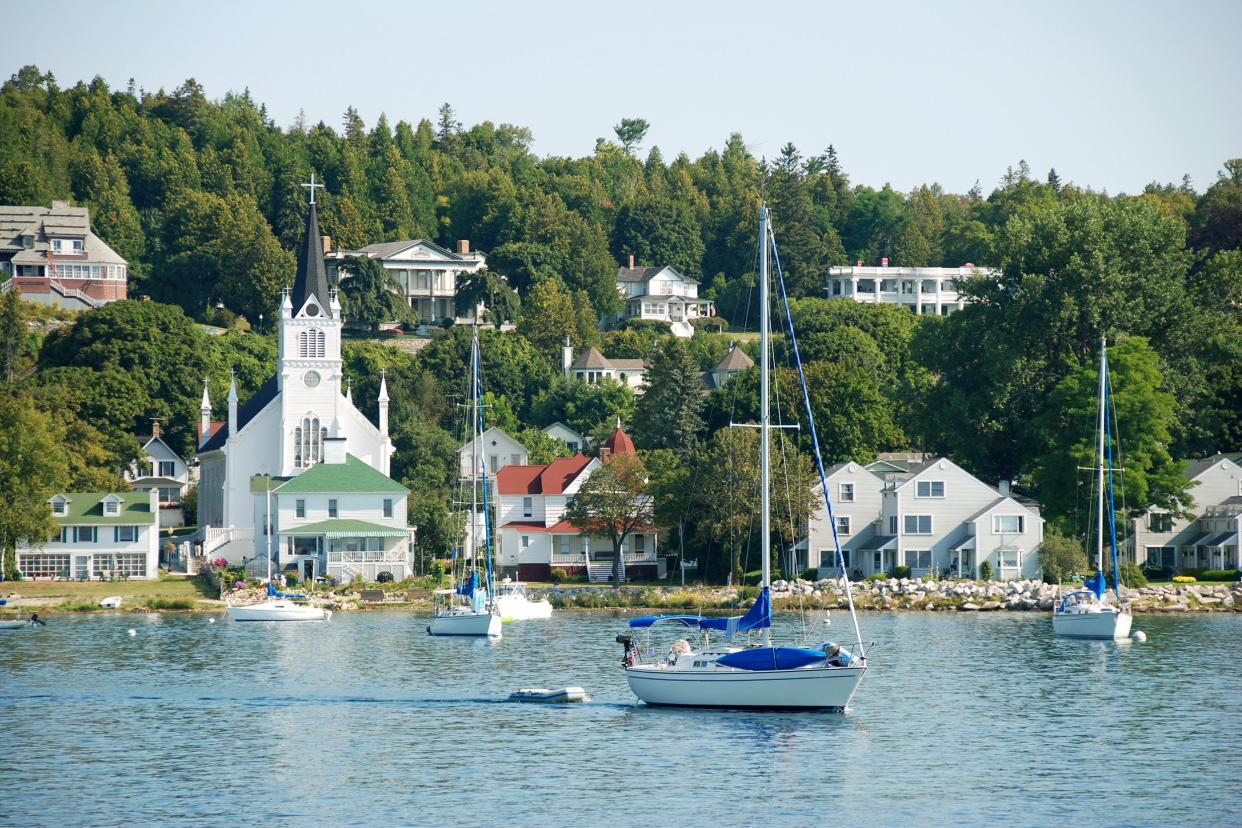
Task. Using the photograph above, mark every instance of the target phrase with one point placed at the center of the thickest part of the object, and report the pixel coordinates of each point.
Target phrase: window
(640, 543)
(843, 524)
(845, 493)
(918, 524)
(918, 558)
(311, 344)
(573, 445)
(1160, 522)
(388, 507)
(126, 566)
(167, 468)
(528, 506)
(111, 507)
(491, 462)
(170, 496)
(44, 566)
(1162, 556)
(525, 541)
(1007, 524)
(561, 542)
(60, 507)
(124, 534)
(332, 507)
(876, 563)
(515, 459)
(929, 488)
(85, 534)
(308, 442)
(66, 535)
(1010, 558)
(892, 526)
(299, 508)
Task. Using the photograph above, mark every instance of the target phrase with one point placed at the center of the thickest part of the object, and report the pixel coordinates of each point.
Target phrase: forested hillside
(203, 197)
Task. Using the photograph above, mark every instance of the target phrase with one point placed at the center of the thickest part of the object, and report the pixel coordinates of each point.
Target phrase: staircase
(601, 573)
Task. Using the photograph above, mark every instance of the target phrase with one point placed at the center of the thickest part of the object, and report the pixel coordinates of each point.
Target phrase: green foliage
(985, 571)
(900, 571)
(33, 467)
(558, 575)
(483, 287)
(1132, 575)
(587, 409)
(1060, 557)
(669, 413)
(370, 294)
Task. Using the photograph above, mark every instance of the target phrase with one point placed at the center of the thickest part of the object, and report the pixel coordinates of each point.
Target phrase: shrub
(1132, 575)
(1157, 573)
(985, 571)
(713, 324)
(901, 572)
(384, 577)
(1219, 575)
(1060, 557)
(1184, 579)
(170, 603)
(810, 574)
(558, 575)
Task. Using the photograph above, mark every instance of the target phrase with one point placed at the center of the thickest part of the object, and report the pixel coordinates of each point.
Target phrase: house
(161, 470)
(574, 441)
(663, 294)
(591, 366)
(495, 448)
(924, 290)
(52, 257)
(935, 518)
(1161, 540)
(102, 535)
(426, 272)
(534, 536)
(296, 422)
(734, 362)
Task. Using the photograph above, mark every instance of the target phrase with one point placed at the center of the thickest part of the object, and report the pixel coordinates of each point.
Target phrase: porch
(346, 550)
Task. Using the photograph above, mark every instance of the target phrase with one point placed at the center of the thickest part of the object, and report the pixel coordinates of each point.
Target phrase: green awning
(344, 528)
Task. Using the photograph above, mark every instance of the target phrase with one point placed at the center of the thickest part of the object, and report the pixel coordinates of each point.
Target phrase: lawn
(171, 587)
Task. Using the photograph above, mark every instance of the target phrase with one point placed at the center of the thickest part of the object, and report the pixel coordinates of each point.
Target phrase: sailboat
(514, 603)
(1088, 613)
(763, 676)
(466, 609)
(278, 606)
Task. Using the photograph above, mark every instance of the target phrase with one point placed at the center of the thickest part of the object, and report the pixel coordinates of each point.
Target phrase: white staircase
(601, 573)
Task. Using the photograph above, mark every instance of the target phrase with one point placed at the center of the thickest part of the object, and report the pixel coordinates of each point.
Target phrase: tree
(614, 501)
(660, 232)
(587, 409)
(16, 342)
(630, 132)
(669, 413)
(371, 294)
(1217, 221)
(1060, 557)
(33, 467)
(489, 289)
(550, 315)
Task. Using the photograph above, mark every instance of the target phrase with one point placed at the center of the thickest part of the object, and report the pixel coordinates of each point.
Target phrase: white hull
(521, 608)
(466, 623)
(806, 688)
(14, 625)
(279, 610)
(1106, 624)
(562, 695)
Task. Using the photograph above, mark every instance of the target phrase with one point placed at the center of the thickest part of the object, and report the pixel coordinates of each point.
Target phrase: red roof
(619, 443)
(549, 479)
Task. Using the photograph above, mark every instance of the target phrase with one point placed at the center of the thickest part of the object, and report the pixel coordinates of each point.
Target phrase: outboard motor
(631, 649)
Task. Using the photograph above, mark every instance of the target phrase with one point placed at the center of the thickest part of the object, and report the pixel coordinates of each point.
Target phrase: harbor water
(964, 719)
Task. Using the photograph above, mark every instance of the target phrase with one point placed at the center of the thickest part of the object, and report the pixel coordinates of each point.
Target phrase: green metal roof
(345, 528)
(351, 477)
(86, 509)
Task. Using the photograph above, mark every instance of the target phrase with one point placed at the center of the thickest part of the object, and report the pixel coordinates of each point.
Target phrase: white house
(161, 470)
(574, 441)
(534, 536)
(662, 294)
(495, 448)
(1159, 539)
(102, 535)
(426, 272)
(591, 366)
(296, 421)
(934, 518)
(924, 290)
(52, 257)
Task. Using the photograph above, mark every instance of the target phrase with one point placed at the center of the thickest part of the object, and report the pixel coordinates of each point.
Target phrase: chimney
(567, 357)
(155, 428)
(631, 261)
(334, 450)
(884, 262)
(858, 263)
(327, 244)
(463, 246)
(1003, 488)
(604, 453)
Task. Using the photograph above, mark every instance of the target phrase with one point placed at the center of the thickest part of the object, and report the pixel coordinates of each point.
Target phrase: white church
(300, 445)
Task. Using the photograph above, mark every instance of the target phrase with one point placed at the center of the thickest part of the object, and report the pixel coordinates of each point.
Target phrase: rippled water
(963, 720)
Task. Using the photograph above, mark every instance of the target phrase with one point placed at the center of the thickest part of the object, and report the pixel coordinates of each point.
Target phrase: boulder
(988, 606)
(968, 607)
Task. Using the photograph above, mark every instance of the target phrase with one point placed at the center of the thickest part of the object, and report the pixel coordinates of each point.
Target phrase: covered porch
(346, 550)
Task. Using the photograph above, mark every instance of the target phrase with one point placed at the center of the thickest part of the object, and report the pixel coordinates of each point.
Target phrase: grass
(170, 588)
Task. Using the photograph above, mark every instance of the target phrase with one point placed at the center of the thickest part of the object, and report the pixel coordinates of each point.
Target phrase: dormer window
(111, 507)
(27, 241)
(60, 507)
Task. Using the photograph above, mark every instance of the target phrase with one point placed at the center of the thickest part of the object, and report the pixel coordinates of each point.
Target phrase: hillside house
(426, 272)
(662, 294)
(923, 290)
(53, 258)
(591, 366)
(162, 470)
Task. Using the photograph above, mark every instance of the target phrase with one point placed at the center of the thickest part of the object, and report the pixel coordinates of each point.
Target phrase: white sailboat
(514, 603)
(466, 610)
(279, 606)
(721, 675)
(1088, 613)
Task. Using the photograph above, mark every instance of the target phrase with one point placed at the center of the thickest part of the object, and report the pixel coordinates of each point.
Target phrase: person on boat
(35, 621)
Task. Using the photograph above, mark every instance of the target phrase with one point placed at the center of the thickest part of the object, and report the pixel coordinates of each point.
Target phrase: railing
(214, 537)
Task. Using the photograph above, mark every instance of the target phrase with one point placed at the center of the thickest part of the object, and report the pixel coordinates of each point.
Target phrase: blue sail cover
(272, 593)
(772, 658)
(644, 621)
(759, 617)
(1096, 583)
(471, 584)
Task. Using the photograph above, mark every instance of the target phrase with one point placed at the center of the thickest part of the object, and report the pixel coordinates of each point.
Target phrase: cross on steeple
(311, 186)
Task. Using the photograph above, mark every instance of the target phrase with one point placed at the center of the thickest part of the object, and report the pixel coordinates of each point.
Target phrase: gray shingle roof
(60, 220)
(590, 358)
(266, 393)
(312, 278)
(735, 360)
(1197, 467)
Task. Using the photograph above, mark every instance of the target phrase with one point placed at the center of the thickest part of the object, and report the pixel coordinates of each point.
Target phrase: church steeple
(312, 278)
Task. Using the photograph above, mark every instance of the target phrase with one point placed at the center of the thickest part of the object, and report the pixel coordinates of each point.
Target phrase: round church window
(312, 309)
(311, 378)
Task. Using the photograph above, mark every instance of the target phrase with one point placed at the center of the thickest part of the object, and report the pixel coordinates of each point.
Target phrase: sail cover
(643, 621)
(471, 584)
(273, 593)
(759, 617)
(1096, 584)
(772, 658)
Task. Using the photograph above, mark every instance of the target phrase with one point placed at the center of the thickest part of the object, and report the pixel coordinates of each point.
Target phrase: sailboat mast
(474, 442)
(765, 423)
(1099, 540)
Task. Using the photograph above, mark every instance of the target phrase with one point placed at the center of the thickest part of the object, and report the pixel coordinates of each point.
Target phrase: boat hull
(279, 611)
(478, 624)
(1106, 626)
(523, 609)
(14, 625)
(812, 688)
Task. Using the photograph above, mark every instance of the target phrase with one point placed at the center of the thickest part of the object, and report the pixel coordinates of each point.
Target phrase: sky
(1113, 94)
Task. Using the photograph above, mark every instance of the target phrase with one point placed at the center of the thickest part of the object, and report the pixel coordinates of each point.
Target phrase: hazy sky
(1113, 94)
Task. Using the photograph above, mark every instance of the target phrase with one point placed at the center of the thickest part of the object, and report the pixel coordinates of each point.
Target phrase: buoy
(133, 632)
(1139, 635)
(211, 620)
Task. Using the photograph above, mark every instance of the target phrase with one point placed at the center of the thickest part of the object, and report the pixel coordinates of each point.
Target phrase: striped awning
(343, 528)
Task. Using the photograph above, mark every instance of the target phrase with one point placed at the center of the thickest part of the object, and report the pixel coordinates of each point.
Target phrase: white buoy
(132, 632)
(1139, 635)
(211, 620)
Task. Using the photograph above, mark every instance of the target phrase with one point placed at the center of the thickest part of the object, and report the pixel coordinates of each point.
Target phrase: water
(964, 720)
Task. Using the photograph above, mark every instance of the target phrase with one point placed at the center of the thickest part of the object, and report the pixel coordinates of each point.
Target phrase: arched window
(308, 442)
(311, 343)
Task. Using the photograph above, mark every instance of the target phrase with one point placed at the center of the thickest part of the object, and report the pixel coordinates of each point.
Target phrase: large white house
(924, 290)
(662, 294)
(296, 422)
(935, 518)
(161, 469)
(1208, 539)
(426, 272)
(52, 257)
(102, 535)
(534, 536)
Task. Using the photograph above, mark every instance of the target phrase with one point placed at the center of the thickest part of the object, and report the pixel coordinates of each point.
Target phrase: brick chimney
(155, 428)
(884, 262)
(631, 261)
(604, 454)
(463, 246)
(327, 244)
